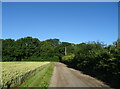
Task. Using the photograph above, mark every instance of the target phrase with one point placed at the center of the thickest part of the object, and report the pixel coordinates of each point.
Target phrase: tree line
(31, 49)
(98, 60)
(94, 58)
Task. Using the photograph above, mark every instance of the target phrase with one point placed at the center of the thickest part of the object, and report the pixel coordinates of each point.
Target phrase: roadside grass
(40, 79)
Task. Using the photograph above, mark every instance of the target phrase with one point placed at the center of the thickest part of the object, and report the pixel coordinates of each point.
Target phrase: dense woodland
(94, 58)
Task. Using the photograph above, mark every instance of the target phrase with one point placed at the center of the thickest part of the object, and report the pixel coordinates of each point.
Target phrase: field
(41, 78)
(14, 73)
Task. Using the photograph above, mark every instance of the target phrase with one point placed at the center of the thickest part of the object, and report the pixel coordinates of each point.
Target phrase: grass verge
(40, 79)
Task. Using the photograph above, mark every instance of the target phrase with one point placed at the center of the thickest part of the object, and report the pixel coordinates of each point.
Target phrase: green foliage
(68, 58)
(94, 58)
(34, 58)
(30, 49)
(41, 78)
(98, 60)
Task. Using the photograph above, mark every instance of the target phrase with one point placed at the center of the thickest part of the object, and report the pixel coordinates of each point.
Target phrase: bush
(33, 58)
(6, 58)
(68, 58)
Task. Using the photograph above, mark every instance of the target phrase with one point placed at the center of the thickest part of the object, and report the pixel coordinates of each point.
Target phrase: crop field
(14, 73)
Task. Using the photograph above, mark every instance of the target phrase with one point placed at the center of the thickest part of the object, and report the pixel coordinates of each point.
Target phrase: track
(68, 77)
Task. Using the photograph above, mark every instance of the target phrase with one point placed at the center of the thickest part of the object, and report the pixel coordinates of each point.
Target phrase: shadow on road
(109, 80)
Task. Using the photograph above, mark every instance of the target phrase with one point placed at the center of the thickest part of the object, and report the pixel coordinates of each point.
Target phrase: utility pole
(65, 51)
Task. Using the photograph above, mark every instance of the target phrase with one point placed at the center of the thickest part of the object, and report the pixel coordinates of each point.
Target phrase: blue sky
(73, 22)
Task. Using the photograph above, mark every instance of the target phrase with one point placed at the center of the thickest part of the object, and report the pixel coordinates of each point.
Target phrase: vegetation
(14, 73)
(98, 60)
(41, 79)
(28, 48)
(94, 58)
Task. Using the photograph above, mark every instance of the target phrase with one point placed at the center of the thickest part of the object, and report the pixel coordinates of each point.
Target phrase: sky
(73, 22)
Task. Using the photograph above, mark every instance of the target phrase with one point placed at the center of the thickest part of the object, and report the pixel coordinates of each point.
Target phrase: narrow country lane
(68, 77)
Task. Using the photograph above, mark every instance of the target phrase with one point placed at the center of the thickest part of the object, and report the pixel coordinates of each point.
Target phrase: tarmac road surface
(68, 77)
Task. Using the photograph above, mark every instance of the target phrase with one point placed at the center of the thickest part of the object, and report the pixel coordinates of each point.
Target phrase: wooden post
(65, 51)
